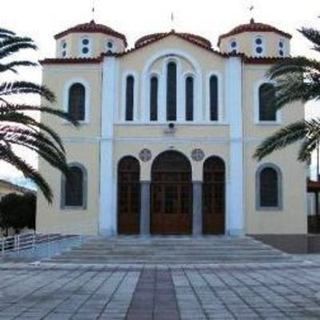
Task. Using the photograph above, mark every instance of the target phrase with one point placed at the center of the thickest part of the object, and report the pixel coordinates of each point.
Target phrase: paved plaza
(110, 292)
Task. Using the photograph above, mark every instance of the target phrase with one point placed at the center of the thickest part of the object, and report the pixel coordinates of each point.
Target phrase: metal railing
(37, 245)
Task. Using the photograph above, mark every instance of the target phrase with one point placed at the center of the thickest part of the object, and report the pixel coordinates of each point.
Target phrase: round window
(259, 50)
(109, 44)
(64, 53)
(233, 44)
(258, 41)
(85, 50)
(64, 44)
(281, 53)
(85, 41)
(281, 44)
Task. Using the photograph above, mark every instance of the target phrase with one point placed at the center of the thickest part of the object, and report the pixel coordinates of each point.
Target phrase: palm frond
(313, 35)
(4, 33)
(25, 120)
(28, 171)
(282, 138)
(13, 45)
(293, 65)
(311, 141)
(25, 87)
(43, 109)
(14, 64)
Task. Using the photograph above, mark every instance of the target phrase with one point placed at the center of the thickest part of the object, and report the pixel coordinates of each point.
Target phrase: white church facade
(167, 134)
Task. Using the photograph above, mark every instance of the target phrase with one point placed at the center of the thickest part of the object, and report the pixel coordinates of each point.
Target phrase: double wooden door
(171, 195)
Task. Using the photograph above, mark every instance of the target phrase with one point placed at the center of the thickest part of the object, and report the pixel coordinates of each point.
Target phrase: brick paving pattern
(59, 292)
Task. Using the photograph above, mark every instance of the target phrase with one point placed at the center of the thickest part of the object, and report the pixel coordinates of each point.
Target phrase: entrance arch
(128, 196)
(171, 194)
(213, 196)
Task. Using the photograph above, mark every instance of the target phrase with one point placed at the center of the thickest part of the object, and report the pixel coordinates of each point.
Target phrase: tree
(296, 79)
(18, 128)
(18, 211)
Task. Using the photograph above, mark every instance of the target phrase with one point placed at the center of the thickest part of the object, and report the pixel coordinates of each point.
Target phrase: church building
(168, 129)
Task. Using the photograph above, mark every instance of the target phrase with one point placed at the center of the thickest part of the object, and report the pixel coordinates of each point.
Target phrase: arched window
(267, 112)
(269, 187)
(77, 101)
(172, 92)
(189, 98)
(154, 84)
(74, 187)
(129, 98)
(213, 92)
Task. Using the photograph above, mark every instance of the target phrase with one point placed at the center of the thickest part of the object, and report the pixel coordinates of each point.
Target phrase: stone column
(197, 208)
(108, 203)
(235, 186)
(145, 208)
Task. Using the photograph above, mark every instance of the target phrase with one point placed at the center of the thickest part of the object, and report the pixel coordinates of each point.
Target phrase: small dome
(188, 36)
(253, 27)
(92, 27)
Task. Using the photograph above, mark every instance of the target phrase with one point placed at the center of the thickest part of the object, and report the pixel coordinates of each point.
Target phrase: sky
(42, 19)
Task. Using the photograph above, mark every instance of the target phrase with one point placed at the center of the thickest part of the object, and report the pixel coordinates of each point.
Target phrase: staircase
(171, 250)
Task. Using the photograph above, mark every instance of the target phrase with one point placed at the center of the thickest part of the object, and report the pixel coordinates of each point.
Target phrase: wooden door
(171, 195)
(129, 196)
(214, 196)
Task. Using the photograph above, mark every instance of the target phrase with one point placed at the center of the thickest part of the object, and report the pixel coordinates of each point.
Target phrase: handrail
(37, 244)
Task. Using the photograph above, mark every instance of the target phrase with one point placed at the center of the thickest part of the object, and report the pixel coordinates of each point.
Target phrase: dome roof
(189, 36)
(253, 27)
(92, 27)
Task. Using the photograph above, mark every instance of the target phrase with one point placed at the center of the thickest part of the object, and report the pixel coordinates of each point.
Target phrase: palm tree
(296, 79)
(18, 128)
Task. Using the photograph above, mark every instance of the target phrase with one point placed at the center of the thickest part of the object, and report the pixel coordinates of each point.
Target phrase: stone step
(194, 254)
(161, 250)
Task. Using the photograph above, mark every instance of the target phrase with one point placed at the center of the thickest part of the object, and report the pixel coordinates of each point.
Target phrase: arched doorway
(128, 196)
(171, 194)
(213, 196)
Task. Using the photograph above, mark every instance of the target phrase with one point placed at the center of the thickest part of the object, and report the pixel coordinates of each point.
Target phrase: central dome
(188, 36)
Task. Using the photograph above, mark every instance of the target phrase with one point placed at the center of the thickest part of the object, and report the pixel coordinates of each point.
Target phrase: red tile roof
(253, 27)
(92, 27)
(196, 40)
(71, 60)
(262, 60)
(154, 36)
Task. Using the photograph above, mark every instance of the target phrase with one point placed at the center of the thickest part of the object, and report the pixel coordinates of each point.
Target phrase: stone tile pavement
(149, 292)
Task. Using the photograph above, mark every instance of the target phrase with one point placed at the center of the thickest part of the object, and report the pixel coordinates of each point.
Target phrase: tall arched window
(213, 88)
(267, 111)
(189, 98)
(77, 101)
(269, 187)
(74, 187)
(154, 84)
(172, 92)
(129, 98)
